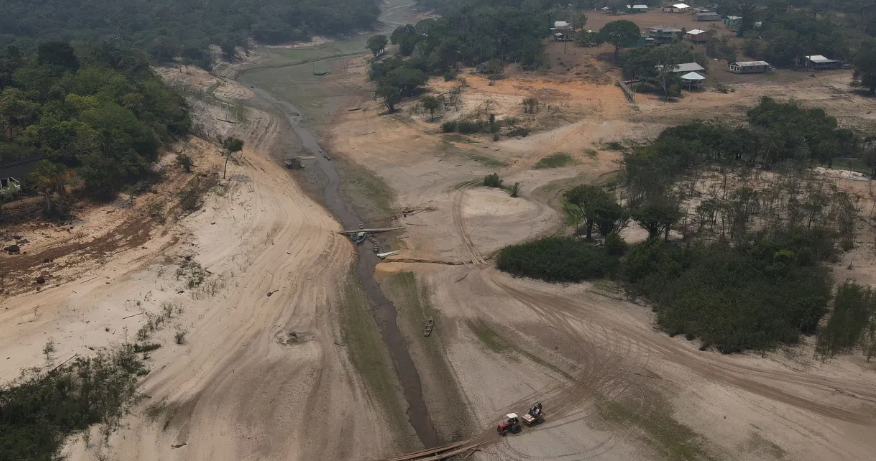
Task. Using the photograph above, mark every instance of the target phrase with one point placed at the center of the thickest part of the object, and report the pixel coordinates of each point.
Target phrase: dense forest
(98, 115)
(754, 231)
(170, 28)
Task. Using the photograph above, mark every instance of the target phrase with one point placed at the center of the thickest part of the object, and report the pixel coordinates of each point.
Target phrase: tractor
(510, 424)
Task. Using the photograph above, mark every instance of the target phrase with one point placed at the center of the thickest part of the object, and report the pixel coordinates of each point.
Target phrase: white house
(677, 8)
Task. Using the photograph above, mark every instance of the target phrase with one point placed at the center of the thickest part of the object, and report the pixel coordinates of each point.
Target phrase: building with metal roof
(750, 67)
(819, 62)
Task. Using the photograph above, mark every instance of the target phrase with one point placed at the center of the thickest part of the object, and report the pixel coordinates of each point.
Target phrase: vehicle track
(459, 224)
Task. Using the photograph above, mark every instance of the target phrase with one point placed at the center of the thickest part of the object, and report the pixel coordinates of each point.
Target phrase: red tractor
(510, 424)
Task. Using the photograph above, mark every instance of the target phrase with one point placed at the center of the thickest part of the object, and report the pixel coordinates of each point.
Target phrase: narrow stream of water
(384, 312)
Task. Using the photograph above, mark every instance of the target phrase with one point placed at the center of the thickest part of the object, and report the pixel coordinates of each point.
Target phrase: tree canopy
(619, 33)
(170, 28)
(99, 112)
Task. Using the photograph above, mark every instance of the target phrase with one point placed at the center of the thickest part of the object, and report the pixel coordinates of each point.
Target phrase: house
(750, 67)
(664, 34)
(693, 81)
(697, 36)
(686, 67)
(562, 31)
(677, 8)
(637, 8)
(13, 174)
(709, 16)
(733, 21)
(819, 62)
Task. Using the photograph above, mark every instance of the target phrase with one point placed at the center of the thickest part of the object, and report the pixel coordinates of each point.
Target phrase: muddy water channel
(384, 310)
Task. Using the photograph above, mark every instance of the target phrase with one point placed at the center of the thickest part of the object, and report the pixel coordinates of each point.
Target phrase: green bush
(448, 127)
(615, 245)
(556, 259)
(449, 75)
(493, 180)
(647, 88)
(40, 410)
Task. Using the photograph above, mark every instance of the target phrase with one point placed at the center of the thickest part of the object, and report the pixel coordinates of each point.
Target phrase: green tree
(391, 95)
(657, 217)
(598, 208)
(865, 66)
(619, 33)
(230, 145)
(667, 58)
(50, 179)
(430, 103)
(57, 54)
(377, 44)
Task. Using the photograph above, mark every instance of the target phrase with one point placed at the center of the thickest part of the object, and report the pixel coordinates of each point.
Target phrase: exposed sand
(785, 405)
(233, 391)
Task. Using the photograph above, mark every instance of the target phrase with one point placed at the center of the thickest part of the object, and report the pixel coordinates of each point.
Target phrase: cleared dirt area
(618, 389)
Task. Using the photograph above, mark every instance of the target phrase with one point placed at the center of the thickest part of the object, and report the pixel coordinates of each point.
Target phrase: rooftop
(696, 32)
(664, 29)
(560, 24)
(687, 67)
(692, 76)
(680, 6)
(751, 63)
(819, 59)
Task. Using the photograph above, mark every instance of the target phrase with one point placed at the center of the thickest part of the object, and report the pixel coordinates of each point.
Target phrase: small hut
(693, 81)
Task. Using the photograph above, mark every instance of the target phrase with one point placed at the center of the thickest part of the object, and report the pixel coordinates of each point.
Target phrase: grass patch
(449, 148)
(360, 182)
(486, 160)
(665, 435)
(555, 160)
(368, 354)
(490, 338)
(41, 409)
(591, 153)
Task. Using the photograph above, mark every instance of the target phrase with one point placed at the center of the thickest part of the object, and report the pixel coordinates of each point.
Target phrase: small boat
(430, 324)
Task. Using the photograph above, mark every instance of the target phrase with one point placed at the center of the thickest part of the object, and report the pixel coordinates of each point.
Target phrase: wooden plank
(356, 231)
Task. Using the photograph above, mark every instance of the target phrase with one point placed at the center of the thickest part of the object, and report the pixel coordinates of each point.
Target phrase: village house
(750, 67)
(664, 34)
(697, 36)
(819, 62)
(707, 16)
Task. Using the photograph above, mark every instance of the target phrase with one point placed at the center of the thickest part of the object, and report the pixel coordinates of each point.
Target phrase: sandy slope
(233, 391)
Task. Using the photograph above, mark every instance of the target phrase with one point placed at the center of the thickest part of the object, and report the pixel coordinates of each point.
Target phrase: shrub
(449, 75)
(469, 126)
(556, 259)
(493, 180)
(40, 410)
(519, 131)
(615, 244)
(448, 127)
(180, 336)
(647, 88)
(514, 190)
